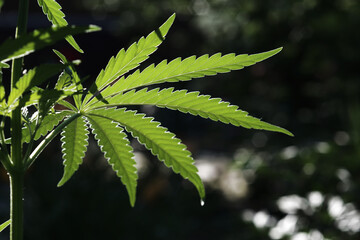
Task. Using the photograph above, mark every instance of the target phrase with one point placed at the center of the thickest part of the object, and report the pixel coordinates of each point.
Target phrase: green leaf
(116, 147)
(74, 77)
(38, 39)
(74, 143)
(132, 57)
(2, 92)
(1, 4)
(159, 140)
(187, 69)
(4, 65)
(4, 225)
(52, 10)
(67, 105)
(192, 102)
(33, 77)
(64, 81)
(46, 125)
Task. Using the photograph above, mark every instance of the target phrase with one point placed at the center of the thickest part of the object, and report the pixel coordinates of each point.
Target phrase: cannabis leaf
(103, 108)
(185, 70)
(75, 140)
(159, 140)
(1, 4)
(132, 57)
(38, 39)
(33, 77)
(4, 225)
(116, 147)
(191, 102)
(53, 11)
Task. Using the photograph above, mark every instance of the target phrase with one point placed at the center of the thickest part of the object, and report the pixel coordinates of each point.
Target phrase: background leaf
(74, 78)
(116, 147)
(38, 39)
(1, 4)
(52, 10)
(33, 77)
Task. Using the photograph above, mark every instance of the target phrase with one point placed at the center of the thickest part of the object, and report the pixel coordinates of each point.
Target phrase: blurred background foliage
(260, 185)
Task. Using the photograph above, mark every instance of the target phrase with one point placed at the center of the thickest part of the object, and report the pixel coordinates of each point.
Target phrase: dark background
(260, 185)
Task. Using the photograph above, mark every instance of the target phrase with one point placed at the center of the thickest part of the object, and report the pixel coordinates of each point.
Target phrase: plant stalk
(17, 171)
(16, 205)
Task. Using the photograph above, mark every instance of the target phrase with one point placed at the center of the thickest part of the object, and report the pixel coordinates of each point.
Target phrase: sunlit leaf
(159, 140)
(38, 39)
(185, 70)
(129, 59)
(4, 225)
(33, 77)
(2, 92)
(191, 102)
(116, 147)
(52, 10)
(74, 77)
(74, 143)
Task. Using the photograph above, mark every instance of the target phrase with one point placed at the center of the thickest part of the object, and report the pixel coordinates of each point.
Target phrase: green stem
(16, 205)
(17, 172)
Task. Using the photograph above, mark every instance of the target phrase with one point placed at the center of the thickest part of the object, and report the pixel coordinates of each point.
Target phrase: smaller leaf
(46, 125)
(117, 150)
(74, 77)
(4, 225)
(2, 92)
(4, 65)
(52, 10)
(33, 77)
(38, 39)
(74, 139)
(65, 82)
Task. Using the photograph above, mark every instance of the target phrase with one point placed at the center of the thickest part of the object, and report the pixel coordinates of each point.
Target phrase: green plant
(29, 108)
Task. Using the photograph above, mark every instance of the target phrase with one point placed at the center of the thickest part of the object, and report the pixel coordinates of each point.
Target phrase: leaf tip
(132, 201)
(5, 224)
(93, 28)
(61, 182)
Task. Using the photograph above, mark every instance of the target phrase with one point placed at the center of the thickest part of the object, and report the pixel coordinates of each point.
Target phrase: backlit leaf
(52, 10)
(38, 39)
(4, 225)
(33, 77)
(159, 140)
(116, 147)
(185, 70)
(129, 59)
(74, 143)
(191, 102)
